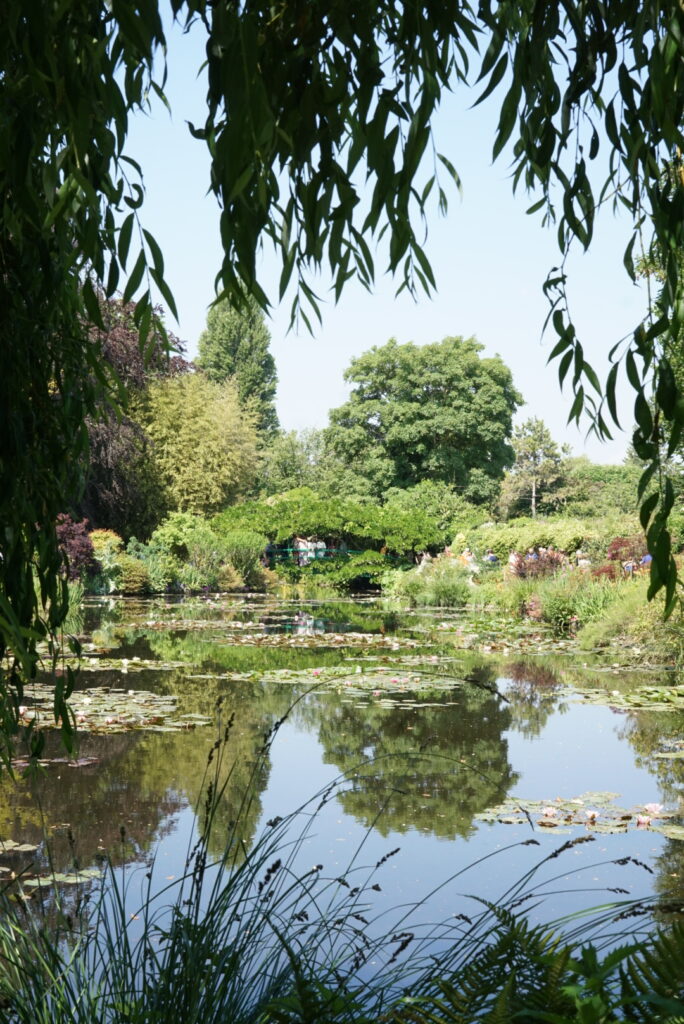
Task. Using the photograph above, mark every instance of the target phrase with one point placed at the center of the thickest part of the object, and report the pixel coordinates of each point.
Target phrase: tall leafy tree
(433, 412)
(538, 467)
(121, 492)
(204, 445)
(235, 345)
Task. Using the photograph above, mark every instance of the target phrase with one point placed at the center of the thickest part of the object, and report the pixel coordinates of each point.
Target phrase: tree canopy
(432, 412)
(305, 102)
(203, 444)
(235, 345)
(537, 468)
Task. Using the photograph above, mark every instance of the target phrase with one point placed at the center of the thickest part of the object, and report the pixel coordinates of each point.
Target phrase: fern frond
(653, 979)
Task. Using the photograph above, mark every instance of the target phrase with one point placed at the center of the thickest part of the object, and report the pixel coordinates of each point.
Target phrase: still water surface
(414, 765)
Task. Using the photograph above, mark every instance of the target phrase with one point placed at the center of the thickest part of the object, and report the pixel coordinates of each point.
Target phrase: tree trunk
(534, 496)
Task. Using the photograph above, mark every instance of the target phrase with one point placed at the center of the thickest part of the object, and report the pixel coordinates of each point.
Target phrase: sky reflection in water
(415, 776)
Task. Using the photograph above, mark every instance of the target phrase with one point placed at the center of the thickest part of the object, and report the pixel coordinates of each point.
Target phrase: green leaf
(125, 233)
(135, 278)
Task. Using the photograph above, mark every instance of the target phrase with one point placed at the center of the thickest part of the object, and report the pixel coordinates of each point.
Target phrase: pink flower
(394, 679)
(316, 672)
(653, 809)
(592, 815)
(22, 710)
(642, 820)
(376, 693)
(549, 812)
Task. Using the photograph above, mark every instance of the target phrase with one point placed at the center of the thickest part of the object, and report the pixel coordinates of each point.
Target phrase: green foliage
(588, 489)
(438, 503)
(537, 470)
(133, 575)
(164, 569)
(347, 572)
(204, 444)
(243, 549)
(198, 550)
(234, 346)
(107, 547)
(432, 412)
(563, 533)
(419, 519)
(439, 583)
(62, 174)
(632, 622)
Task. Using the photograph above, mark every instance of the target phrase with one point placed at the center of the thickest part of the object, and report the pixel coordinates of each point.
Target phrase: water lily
(643, 820)
(316, 672)
(394, 679)
(653, 809)
(550, 812)
(591, 815)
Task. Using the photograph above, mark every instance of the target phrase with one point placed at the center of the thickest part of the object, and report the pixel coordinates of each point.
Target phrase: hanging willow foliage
(319, 129)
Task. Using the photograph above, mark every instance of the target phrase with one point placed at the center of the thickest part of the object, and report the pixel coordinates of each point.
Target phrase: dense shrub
(624, 549)
(199, 552)
(134, 577)
(571, 601)
(229, 578)
(76, 547)
(107, 547)
(243, 549)
(546, 563)
(347, 572)
(561, 532)
(164, 568)
(439, 583)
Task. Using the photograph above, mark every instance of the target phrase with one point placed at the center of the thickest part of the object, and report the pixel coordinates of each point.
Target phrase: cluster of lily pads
(653, 698)
(106, 709)
(594, 812)
(19, 873)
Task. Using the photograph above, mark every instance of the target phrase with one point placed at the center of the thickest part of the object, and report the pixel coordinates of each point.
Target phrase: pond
(460, 746)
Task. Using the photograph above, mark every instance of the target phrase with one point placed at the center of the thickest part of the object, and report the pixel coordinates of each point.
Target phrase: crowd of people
(536, 561)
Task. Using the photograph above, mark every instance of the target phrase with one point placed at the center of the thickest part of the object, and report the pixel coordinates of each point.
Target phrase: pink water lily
(592, 815)
(642, 820)
(653, 809)
(316, 672)
(550, 812)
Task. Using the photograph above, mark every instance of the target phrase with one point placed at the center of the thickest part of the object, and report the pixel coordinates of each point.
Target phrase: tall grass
(256, 937)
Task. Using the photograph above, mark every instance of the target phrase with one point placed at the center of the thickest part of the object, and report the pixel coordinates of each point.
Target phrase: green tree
(121, 492)
(305, 459)
(433, 412)
(538, 468)
(589, 489)
(204, 443)
(235, 345)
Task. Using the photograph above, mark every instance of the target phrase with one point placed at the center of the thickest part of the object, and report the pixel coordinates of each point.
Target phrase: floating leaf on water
(670, 831)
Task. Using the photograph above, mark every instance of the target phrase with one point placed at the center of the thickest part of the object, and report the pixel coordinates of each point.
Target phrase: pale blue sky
(489, 258)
